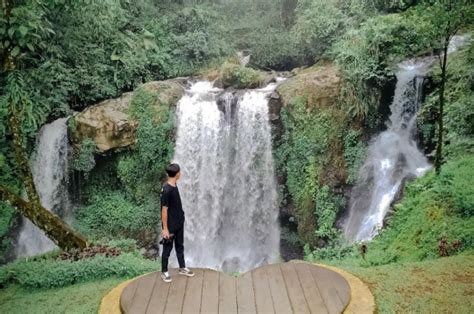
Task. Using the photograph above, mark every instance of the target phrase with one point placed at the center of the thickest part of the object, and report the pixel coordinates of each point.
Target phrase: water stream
(49, 169)
(393, 156)
(228, 188)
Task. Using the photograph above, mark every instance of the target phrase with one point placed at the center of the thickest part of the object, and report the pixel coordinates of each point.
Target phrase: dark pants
(178, 240)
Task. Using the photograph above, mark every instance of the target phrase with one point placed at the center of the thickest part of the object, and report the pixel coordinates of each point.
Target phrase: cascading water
(49, 169)
(393, 156)
(228, 188)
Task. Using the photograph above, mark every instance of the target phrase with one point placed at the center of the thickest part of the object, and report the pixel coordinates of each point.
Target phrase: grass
(443, 285)
(80, 298)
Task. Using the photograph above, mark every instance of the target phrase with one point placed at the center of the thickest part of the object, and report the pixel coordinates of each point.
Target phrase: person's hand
(165, 233)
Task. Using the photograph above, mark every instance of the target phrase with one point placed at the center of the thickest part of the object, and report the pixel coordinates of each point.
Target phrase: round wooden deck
(279, 288)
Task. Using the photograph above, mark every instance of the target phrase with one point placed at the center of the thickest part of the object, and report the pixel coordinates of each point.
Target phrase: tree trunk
(439, 144)
(55, 229)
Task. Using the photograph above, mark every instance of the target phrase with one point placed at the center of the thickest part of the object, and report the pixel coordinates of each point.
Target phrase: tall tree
(447, 17)
(21, 30)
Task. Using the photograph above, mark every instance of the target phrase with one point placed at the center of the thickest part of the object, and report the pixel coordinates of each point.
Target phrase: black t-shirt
(171, 199)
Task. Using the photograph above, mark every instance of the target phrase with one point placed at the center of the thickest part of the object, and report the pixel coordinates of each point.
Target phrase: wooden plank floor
(278, 288)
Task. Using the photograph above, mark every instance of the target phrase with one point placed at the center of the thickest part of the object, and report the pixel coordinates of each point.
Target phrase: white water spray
(49, 169)
(227, 186)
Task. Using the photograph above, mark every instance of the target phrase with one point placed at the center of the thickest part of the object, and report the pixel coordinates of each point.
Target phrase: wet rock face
(109, 123)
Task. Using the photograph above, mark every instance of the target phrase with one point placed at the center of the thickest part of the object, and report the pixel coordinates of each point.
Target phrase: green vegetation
(235, 75)
(310, 156)
(52, 273)
(111, 215)
(120, 195)
(84, 160)
(83, 297)
(62, 55)
(435, 286)
(51, 270)
(434, 208)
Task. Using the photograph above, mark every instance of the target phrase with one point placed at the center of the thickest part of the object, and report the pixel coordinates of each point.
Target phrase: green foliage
(235, 75)
(8, 178)
(367, 56)
(319, 23)
(354, 154)
(307, 154)
(200, 35)
(84, 159)
(459, 107)
(24, 29)
(47, 273)
(110, 214)
(142, 169)
(16, 96)
(435, 286)
(79, 298)
(327, 207)
(332, 252)
(273, 48)
(291, 237)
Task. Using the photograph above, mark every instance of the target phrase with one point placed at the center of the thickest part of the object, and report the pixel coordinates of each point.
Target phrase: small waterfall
(49, 169)
(227, 185)
(393, 155)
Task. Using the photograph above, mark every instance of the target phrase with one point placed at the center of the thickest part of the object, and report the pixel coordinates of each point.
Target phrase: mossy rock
(232, 74)
(319, 84)
(109, 122)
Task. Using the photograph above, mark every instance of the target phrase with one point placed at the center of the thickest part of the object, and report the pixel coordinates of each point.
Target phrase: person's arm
(164, 221)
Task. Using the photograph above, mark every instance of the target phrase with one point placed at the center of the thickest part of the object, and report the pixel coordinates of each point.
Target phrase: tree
(447, 17)
(21, 29)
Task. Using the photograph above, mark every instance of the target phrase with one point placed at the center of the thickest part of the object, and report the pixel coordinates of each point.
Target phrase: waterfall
(227, 185)
(393, 156)
(49, 168)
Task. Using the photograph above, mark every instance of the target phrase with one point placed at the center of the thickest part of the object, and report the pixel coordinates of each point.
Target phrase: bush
(331, 252)
(319, 23)
(275, 48)
(354, 154)
(111, 214)
(47, 273)
(83, 159)
(235, 75)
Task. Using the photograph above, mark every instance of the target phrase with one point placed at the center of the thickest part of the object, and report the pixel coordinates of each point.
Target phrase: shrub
(235, 75)
(354, 154)
(111, 214)
(47, 273)
(83, 159)
(319, 23)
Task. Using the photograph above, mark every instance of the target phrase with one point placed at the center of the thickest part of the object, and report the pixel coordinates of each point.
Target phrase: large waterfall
(393, 155)
(49, 173)
(227, 185)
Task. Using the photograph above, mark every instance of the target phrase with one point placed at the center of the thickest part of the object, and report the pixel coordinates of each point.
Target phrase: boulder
(109, 123)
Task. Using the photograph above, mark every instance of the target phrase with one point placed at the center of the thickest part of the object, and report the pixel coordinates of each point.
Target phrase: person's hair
(172, 170)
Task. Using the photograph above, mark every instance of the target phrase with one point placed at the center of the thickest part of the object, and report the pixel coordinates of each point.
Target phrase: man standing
(172, 219)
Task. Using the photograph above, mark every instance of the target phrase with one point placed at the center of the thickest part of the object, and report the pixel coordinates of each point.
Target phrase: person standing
(172, 219)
